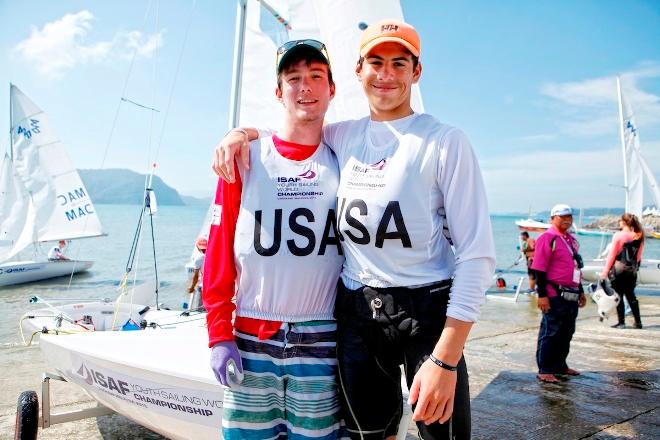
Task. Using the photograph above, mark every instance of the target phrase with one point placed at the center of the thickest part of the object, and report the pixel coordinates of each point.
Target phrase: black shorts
(531, 272)
(370, 351)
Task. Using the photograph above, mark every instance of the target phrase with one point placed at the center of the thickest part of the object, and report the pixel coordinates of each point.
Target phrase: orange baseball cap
(390, 30)
(201, 243)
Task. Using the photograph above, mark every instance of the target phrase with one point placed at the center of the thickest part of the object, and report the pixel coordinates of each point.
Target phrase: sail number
(75, 197)
(28, 132)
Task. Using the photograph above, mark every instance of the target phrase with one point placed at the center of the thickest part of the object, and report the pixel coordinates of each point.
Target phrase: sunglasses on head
(286, 47)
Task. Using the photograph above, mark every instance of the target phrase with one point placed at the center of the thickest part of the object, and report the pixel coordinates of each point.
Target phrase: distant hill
(587, 212)
(122, 186)
(196, 201)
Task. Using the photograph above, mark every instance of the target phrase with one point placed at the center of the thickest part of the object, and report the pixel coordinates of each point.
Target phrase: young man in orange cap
(415, 229)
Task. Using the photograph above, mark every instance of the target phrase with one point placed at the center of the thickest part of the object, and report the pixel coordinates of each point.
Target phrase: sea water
(175, 231)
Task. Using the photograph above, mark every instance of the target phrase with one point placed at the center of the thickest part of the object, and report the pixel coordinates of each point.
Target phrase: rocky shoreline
(611, 222)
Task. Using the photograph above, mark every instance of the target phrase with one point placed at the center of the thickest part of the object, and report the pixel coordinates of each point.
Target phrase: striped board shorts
(289, 388)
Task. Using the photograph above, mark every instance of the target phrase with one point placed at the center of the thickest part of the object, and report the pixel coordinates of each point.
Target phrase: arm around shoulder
(235, 146)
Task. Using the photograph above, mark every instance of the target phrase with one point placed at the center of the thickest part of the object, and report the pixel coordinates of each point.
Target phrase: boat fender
(605, 298)
(130, 325)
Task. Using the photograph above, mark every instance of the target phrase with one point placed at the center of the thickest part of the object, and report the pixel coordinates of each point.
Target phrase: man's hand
(224, 355)
(234, 143)
(433, 389)
(582, 300)
(543, 304)
(191, 289)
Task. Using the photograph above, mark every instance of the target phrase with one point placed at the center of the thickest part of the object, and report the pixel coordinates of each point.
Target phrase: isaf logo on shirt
(378, 166)
(298, 187)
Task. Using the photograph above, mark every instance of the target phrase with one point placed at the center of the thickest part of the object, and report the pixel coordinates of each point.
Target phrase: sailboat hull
(594, 232)
(19, 272)
(649, 271)
(159, 378)
(97, 316)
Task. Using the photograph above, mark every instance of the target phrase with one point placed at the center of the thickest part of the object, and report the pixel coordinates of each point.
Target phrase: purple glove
(226, 363)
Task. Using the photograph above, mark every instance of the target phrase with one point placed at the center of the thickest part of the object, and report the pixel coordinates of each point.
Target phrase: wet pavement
(617, 396)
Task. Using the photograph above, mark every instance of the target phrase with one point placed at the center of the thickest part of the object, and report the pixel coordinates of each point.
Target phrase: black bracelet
(441, 364)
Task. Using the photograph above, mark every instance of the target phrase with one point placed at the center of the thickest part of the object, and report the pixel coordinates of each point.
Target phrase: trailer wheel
(27, 416)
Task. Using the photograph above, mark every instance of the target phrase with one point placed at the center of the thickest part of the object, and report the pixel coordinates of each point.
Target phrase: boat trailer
(29, 419)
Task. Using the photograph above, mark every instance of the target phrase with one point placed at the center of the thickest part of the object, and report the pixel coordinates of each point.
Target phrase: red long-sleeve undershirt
(219, 264)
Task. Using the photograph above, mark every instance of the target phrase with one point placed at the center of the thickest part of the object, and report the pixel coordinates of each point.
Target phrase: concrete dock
(617, 396)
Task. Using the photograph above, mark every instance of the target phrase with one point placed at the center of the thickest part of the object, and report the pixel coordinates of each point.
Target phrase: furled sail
(62, 208)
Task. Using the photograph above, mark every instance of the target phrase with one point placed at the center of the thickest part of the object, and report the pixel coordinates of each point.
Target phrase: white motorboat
(531, 225)
(18, 272)
(43, 198)
(649, 271)
(159, 378)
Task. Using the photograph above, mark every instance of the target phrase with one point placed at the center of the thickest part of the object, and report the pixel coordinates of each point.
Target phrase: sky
(532, 84)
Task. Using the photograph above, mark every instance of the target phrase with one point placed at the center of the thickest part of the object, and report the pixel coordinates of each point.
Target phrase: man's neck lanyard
(571, 250)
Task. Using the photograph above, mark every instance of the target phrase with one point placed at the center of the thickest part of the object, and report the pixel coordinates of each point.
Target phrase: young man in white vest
(414, 224)
(275, 248)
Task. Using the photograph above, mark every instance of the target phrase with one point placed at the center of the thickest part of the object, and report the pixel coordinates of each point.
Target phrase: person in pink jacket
(622, 265)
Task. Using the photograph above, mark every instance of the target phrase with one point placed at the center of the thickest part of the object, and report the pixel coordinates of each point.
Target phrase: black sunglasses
(286, 47)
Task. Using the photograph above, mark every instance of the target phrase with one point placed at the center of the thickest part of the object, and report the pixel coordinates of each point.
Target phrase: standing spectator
(557, 263)
(527, 247)
(622, 265)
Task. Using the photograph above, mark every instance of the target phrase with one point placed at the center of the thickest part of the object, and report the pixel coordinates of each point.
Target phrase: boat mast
(623, 146)
(11, 125)
(239, 45)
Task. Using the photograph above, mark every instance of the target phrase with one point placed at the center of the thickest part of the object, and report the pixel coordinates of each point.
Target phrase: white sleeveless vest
(391, 208)
(287, 250)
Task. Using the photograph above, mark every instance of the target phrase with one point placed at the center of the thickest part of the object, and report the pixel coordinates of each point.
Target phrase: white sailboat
(635, 170)
(160, 378)
(42, 198)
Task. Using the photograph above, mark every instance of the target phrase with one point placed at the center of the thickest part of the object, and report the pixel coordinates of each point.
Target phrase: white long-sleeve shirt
(412, 208)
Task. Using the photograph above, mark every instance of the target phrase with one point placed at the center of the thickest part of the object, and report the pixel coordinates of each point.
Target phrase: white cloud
(542, 179)
(590, 107)
(591, 92)
(133, 42)
(64, 43)
(535, 138)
